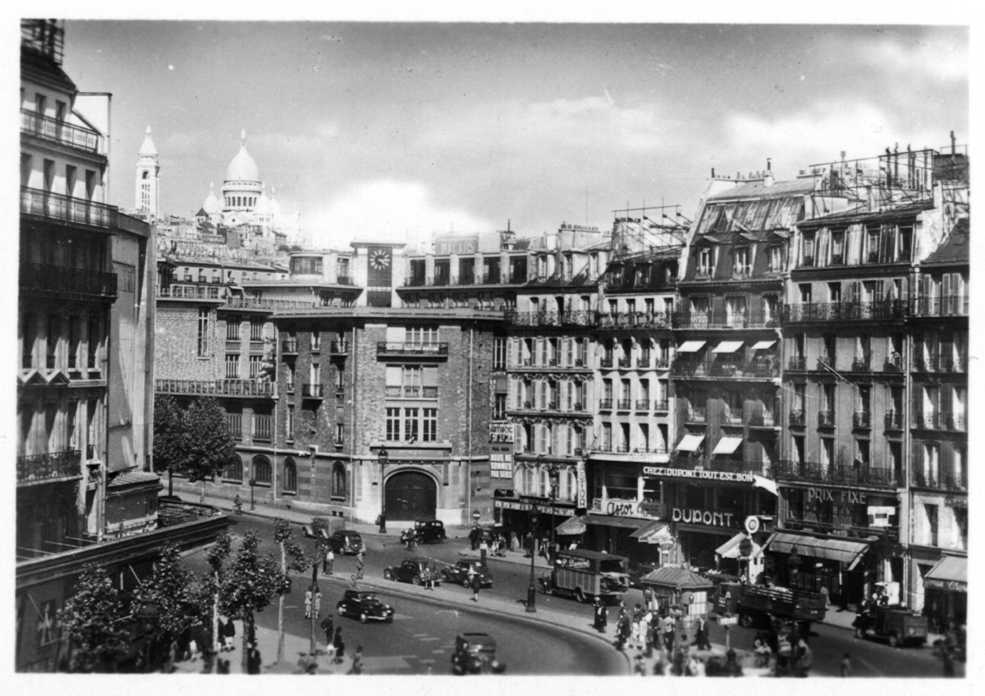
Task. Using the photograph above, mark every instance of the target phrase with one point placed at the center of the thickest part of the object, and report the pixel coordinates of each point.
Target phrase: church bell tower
(147, 197)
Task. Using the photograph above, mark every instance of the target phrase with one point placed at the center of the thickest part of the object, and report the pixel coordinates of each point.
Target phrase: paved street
(420, 636)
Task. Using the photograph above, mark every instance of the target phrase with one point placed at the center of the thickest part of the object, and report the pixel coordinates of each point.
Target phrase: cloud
(386, 210)
(295, 143)
(932, 57)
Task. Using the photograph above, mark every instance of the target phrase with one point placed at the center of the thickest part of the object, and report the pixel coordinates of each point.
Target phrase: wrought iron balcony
(762, 420)
(643, 405)
(627, 320)
(826, 419)
(624, 404)
(880, 310)
(605, 361)
(605, 404)
(643, 360)
(47, 278)
(74, 211)
(750, 318)
(289, 345)
(797, 418)
(661, 405)
(78, 137)
(893, 421)
(860, 364)
(697, 414)
(625, 362)
(412, 350)
(48, 466)
(797, 362)
(862, 420)
(338, 348)
(219, 387)
(312, 391)
(192, 291)
(843, 474)
(940, 481)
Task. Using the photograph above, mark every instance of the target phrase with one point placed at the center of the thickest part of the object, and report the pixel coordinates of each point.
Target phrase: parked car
(412, 570)
(475, 653)
(896, 624)
(346, 541)
(430, 531)
(458, 572)
(364, 606)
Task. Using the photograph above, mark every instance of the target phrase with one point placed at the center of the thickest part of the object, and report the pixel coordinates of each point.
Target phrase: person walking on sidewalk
(339, 645)
(701, 634)
(601, 619)
(328, 626)
(357, 661)
(253, 659)
(328, 561)
(475, 580)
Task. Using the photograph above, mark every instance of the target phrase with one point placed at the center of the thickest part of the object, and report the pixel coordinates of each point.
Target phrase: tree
(166, 601)
(169, 437)
(292, 559)
(97, 621)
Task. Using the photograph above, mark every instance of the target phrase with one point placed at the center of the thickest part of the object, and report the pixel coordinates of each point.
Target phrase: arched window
(233, 470)
(262, 474)
(290, 476)
(338, 480)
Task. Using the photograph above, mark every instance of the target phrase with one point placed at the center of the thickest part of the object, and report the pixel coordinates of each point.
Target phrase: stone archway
(411, 495)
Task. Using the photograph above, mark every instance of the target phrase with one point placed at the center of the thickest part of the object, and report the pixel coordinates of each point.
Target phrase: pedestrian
(514, 541)
(701, 634)
(222, 666)
(647, 597)
(229, 635)
(328, 562)
(339, 645)
(193, 651)
(846, 664)
(483, 552)
(357, 661)
(253, 659)
(596, 617)
(360, 565)
(328, 626)
(432, 576)
(475, 580)
(668, 628)
(238, 504)
(805, 658)
(639, 666)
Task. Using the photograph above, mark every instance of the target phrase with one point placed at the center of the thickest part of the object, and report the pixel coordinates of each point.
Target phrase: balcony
(338, 348)
(841, 474)
(65, 209)
(605, 361)
(412, 351)
(697, 414)
(624, 405)
(860, 364)
(713, 367)
(412, 392)
(289, 387)
(953, 422)
(625, 362)
(893, 421)
(48, 466)
(605, 404)
(882, 310)
(78, 137)
(797, 362)
(893, 364)
(192, 291)
(763, 420)
(312, 391)
(861, 420)
(939, 363)
(629, 320)
(643, 360)
(581, 317)
(806, 262)
(947, 306)
(642, 405)
(40, 277)
(755, 318)
(219, 387)
(946, 481)
(797, 418)
(732, 418)
(289, 346)
(928, 421)
(825, 419)
(661, 405)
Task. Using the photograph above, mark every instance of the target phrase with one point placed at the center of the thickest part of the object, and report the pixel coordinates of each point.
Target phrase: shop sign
(705, 517)
(501, 466)
(623, 507)
(500, 432)
(751, 524)
(828, 495)
(879, 515)
(727, 476)
(582, 493)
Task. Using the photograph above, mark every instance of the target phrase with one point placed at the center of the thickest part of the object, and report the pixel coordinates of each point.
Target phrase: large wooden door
(411, 495)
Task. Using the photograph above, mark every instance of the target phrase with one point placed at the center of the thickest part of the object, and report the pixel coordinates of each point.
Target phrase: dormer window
(807, 250)
(704, 262)
(837, 247)
(776, 259)
(741, 267)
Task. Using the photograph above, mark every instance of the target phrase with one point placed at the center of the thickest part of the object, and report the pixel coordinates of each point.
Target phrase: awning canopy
(690, 443)
(615, 521)
(763, 345)
(677, 578)
(727, 347)
(730, 549)
(727, 445)
(653, 533)
(844, 551)
(690, 346)
(949, 573)
(571, 527)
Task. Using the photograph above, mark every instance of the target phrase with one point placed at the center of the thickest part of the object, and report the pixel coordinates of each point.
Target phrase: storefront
(810, 562)
(946, 592)
(514, 512)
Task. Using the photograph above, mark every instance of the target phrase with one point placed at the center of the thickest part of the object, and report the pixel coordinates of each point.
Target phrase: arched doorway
(411, 495)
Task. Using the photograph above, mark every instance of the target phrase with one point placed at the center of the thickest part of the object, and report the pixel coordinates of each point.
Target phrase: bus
(587, 575)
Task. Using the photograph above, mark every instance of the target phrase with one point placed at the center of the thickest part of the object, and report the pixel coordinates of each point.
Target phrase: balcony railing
(881, 310)
(643, 360)
(748, 319)
(643, 405)
(762, 420)
(954, 422)
(797, 362)
(893, 421)
(825, 419)
(33, 123)
(312, 391)
(862, 420)
(947, 306)
(860, 364)
(624, 404)
(192, 292)
(848, 474)
(218, 387)
(289, 345)
(605, 361)
(569, 318)
(626, 320)
(412, 392)
(76, 211)
(713, 367)
(797, 418)
(732, 418)
(946, 481)
(412, 349)
(36, 468)
(939, 363)
(661, 405)
(338, 348)
(40, 277)
(605, 404)
(625, 362)
(928, 421)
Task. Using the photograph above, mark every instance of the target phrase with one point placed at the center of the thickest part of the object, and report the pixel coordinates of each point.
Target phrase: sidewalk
(294, 648)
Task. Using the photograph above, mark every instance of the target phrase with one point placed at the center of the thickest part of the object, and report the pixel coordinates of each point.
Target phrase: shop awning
(727, 445)
(615, 521)
(690, 443)
(730, 549)
(653, 533)
(763, 345)
(847, 551)
(677, 578)
(690, 346)
(949, 573)
(571, 527)
(727, 347)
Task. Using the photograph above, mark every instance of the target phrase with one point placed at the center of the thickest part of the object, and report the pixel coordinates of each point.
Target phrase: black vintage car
(413, 570)
(365, 606)
(430, 531)
(345, 541)
(475, 653)
(458, 572)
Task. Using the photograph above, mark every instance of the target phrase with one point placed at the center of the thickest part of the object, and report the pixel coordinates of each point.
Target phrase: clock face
(379, 259)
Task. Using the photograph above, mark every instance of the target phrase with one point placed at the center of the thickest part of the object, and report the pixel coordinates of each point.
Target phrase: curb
(430, 599)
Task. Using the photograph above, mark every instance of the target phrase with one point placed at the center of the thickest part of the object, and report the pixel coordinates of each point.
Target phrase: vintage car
(893, 623)
(412, 570)
(345, 541)
(430, 531)
(475, 653)
(458, 572)
(365, 606)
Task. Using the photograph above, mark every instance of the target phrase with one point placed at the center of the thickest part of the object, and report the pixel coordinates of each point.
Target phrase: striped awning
(690, 346)
(727, 445)
(949, 573)
(845, 551)
(763, 345)
(727, 347)
(690, 443)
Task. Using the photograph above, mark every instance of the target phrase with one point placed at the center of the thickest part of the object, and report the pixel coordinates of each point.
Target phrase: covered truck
(750, 602)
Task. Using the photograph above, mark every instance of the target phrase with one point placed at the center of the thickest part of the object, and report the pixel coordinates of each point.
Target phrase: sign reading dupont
(735, 476)
(705, 517)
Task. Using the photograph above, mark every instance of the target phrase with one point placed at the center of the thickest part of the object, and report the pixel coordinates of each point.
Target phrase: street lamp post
(253, 483)
(532, 589)
(383, 456)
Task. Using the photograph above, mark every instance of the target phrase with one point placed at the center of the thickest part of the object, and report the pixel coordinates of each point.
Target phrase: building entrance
(411, 495)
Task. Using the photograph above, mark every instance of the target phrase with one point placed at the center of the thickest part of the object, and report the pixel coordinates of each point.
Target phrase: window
(261, 427)
(837, 247)
(232, 365)
(289, 377)
(90, 184)
(807, 249)
(93, 342)
(932, 521)
(422, 335)
(411, 424)
(315, 340)
(51, 342)
(704, 262)
(872, 243)
(770, 305)
(74, 336)
(262, 473)
(429, 425)
(232, 329)
(314, 373)
(339, 433)
(290, 476)
(392, 424)
(499, 406)
(203, 333)
(70, 177)
(256, 366)
(338, 480)
(741, 266)
(735, 311)
(233, 471)
(834, 293)
(256, 330)
(805, 293)
(499, 352)
(289, 435)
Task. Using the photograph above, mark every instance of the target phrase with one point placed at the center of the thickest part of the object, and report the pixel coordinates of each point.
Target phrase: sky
(388, 131)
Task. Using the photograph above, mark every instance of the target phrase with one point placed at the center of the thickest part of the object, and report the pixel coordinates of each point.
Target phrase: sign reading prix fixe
(729, 476)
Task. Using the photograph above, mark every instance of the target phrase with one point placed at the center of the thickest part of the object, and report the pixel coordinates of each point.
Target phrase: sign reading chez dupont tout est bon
(711, 475)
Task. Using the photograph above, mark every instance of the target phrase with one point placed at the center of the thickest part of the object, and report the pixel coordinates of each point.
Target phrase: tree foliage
(169, 435)
(193, 441)
(97, 621)
(168, 597)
